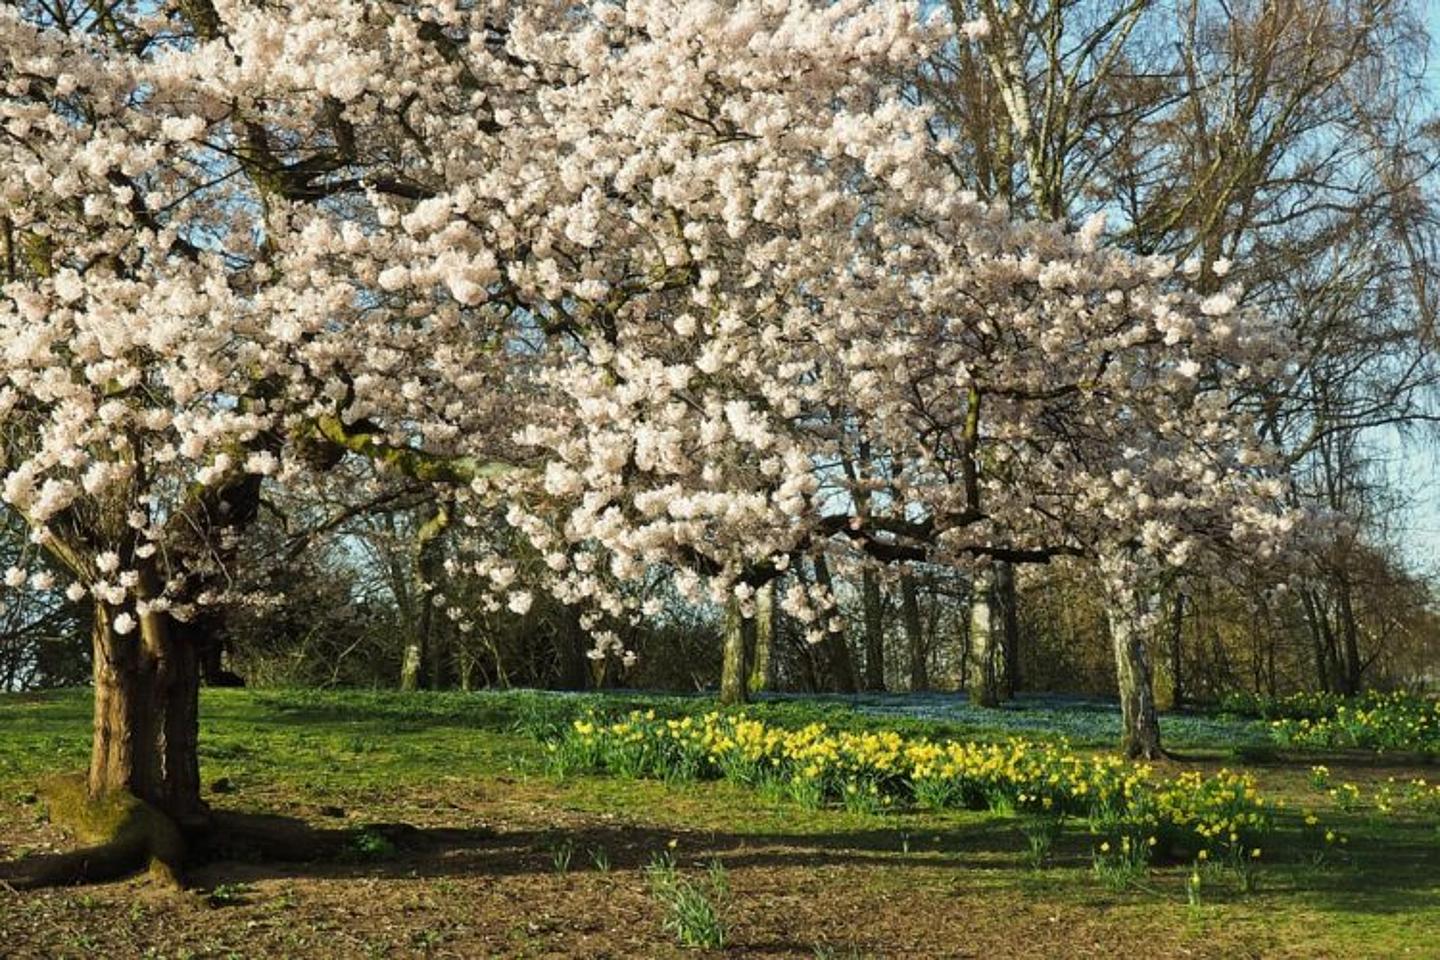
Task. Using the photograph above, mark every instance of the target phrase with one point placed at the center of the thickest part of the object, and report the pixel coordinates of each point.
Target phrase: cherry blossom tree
(645, 275)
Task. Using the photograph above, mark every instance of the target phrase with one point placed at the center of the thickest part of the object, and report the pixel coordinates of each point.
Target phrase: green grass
(392, 755)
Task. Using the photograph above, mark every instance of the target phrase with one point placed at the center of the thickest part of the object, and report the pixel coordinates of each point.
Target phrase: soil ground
(501, 860)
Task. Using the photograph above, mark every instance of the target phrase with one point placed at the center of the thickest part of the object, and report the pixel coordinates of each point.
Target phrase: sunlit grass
(1378, 894)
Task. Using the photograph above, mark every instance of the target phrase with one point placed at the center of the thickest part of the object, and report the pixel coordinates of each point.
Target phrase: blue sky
(1416, 466)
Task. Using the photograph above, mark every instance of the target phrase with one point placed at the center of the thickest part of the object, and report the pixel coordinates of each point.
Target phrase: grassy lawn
(499, 858)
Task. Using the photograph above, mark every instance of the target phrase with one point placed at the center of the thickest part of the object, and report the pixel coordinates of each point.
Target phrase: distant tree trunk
(431, 630)
(1007, 600)
(570, 648)
(1267, 636)
(211, 652)
(426, 572)
(874, 630)
(985, 653)
(410, 666)
(1313, 615)
(208, 629)
(1140, 723)
(734, 672)
(762, 669)
(1332, 649)
(147, 708)
(805, 657)
(803, 668)
(839, 663)
(1177, 630)
(465, 665)
(914, 633)
(1350, 632)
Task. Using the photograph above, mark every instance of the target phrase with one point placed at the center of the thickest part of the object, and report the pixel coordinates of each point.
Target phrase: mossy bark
(123, 835)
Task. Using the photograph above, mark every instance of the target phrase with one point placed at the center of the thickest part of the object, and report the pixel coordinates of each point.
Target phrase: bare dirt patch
(486, 873)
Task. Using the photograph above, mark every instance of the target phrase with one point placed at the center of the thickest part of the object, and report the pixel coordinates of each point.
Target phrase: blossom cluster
(674, 282)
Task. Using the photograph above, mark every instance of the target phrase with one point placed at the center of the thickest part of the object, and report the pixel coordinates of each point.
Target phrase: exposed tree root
(1147, 753)
(125, 836)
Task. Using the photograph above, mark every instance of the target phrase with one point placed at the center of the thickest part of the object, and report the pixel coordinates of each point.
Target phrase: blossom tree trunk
(428, 566)
(1140, 723)
(762, 661)
(147, 696)
(985, 653)
(734, 672)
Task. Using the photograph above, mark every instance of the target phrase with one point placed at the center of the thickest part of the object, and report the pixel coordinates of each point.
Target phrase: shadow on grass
(259, 845)
(1390, 876)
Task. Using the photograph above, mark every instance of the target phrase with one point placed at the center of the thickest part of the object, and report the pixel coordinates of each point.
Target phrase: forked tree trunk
(1140, 724)
(147, 707)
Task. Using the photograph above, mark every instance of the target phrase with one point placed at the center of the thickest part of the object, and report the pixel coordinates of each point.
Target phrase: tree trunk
(1317, 639)
(1140, 724)
(1269, 635)
(1009, 616)
(424, 647)
(984, 675)
(967, 648)
(465, 661)
(734, 685)
(1354, 668)
(762, 669)
(874, 630)
(839, 663)
(432, 628)
(807, 671)
(1177, 629)
(571, 648)
(422, 651)
(147, 708)
(211, 651)
(914, 634)
(410, 666)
